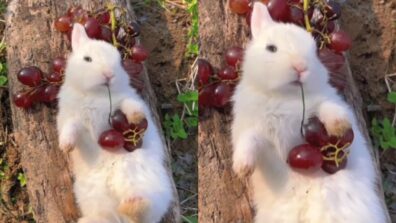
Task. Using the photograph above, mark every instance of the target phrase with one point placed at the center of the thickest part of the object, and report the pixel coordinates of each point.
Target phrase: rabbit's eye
(272, 48)
(87, 58)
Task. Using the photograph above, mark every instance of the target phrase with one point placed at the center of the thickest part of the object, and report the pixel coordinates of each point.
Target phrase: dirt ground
(372, 26)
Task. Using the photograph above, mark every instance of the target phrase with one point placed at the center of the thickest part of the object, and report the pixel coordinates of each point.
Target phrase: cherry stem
(108, 90)
(306, 17)
(303, 111)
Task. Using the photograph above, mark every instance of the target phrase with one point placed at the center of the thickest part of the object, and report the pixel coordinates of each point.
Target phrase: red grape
(239, 6)
(142, 125)
(331, 167)
(248, 16)
(234, 55)
(333, 10)
(59, 64)
(23, 100)
(132, 68)
(111, 139)
(78, 14)
(315, 132)
(139, 53)
(330, 26)
(119, 121)
(294, 1)
(92, 27)
(50, 93)
(222, 95)
(106, 34)
(103, 18)
(55, 77)
(346, 138)
(133, 29)
(279, 10)
(340, 41)
(205, 98)
(297, 16)
(38, 94)
(205, 70)
(63, 24)
(30, 76)
(228, 73)
(130, 147)
(332, 61)
(305, 156)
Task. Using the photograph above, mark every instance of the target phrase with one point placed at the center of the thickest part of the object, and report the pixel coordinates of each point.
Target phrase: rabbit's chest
(95, 115)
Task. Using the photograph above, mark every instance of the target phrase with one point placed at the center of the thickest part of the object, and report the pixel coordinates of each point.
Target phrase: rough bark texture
(222, 196)
(32, 40)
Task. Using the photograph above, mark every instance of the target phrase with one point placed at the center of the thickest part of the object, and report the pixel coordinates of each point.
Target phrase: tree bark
(32, 40)
(223, 197)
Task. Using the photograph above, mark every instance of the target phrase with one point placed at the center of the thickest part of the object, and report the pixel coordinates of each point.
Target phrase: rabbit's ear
(79, 36)
(260, 19)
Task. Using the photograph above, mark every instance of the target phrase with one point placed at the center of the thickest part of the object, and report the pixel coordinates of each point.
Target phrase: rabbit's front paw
(135, 117)
(335, 118)
(67, 139)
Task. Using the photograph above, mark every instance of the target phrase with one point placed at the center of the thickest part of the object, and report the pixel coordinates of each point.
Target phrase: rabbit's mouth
(296, 82)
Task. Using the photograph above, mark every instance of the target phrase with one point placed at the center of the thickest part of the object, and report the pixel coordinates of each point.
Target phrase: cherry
(315, 132)
(92, 27)
(139, 53)
(239, 6)
(59, 64)
(205, 70)
(23, 100)
(30, 76)
(228, 73)
(111, 140)
(222, 94)
(339, 41)
(305, 156)
(63, 24)
(119, 121)
(234, 55)
(279, 10)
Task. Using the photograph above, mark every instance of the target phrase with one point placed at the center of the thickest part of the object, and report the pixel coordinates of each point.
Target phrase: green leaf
(22, 179)
(190, 219)
(392, 97)
(188, 96)
(388, 130)
(384, 145)
(191, 122)
(392, 142)
(3, 80)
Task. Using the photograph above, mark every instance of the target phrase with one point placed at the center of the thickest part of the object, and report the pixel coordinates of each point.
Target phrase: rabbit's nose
(300, 67)
(108, 75)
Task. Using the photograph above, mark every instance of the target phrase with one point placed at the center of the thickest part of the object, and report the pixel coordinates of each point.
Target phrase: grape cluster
(41, 87)
(215, 90)
(123, 134)
(316, 16)
(321, 150)
(104, 25)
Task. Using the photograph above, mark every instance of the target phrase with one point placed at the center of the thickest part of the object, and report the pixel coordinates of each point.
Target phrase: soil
(372, 26)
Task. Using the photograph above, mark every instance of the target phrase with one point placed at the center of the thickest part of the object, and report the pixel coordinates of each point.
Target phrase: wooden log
(222, 196)
(32, 40)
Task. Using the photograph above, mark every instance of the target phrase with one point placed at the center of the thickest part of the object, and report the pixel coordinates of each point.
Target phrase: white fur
(268, 107)
(103, 179)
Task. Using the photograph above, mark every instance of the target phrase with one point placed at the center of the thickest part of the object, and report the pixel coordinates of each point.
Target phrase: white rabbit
(109, 187)
(267, 114)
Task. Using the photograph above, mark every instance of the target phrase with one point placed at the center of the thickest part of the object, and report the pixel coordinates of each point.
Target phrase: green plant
(383, 131)
(190, 219)
(175, 126)
(22, 179)
(192, 46)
